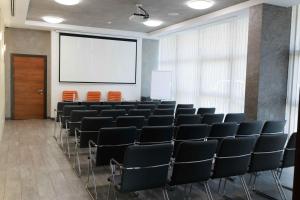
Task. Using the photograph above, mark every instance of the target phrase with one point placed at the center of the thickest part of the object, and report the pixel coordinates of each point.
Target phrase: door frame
(12, 82)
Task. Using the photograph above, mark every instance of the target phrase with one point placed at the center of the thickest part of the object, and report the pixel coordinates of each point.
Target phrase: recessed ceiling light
(52, 19)
(152, 23)
(200, 4)
(173, 14)
(109, 22)
(68, 2)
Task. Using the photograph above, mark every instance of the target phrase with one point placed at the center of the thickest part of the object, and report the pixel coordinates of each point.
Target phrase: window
(209, 64)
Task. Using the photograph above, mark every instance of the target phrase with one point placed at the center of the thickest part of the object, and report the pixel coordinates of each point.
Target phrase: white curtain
(294, 73)
(208, 64)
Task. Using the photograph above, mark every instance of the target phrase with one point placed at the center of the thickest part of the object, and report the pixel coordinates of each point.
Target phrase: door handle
(40, 91)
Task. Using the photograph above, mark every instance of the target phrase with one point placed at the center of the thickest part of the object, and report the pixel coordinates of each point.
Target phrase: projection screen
(97, 59)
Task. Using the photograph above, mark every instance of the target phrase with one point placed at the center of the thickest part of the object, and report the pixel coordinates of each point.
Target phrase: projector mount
(140, 15)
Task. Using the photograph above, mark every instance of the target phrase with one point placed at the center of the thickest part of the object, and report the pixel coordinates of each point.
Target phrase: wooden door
(29, 86)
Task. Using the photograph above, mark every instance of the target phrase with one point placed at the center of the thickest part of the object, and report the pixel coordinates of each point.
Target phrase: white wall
(2, 77)
(129, 92)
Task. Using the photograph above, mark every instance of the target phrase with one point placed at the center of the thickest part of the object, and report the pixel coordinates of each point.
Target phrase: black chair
(267, 156)
(289, 153)
(168, 102)
(114, 113)
(125, 107)
(202, 111)
(235, 117)
(145, 167)
(126, 121)
(129, 103)
(180, 111)
(65, 116)
(89, 103)
(146, 106)
(193, 164)
(161, 120)
(273, 127)
(249, 129)
(59, 112)
(188, 119)
(113, 104)
(166, 106)
(156, 134)
(89, 130)
(233, 159)
(221, 131)
(190, 132)
(149, 102)
(111, 144)
(184, 106)
(99, 108)
(74, 122)
(163, 112)
(212, 119)
(140, 112)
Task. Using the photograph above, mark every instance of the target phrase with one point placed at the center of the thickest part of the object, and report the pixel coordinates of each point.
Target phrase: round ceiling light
(52, 19)
(200, 4)
(68, 2)
(152, 22)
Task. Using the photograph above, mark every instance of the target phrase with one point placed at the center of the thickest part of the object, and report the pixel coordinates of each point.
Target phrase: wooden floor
(33, 166)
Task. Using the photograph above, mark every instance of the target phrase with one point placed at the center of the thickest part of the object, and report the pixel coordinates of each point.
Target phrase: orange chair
(93, 96)
(70, 95)
(114, 96)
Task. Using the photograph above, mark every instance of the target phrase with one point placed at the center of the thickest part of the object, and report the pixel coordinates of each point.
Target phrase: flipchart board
(161, 85)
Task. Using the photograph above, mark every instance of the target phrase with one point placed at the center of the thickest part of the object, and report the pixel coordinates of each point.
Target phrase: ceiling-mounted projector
(140, 16)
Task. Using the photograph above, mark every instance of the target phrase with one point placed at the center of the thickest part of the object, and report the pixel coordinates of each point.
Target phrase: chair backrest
(212, 118)
(112, 143)
(289, 152)
(188, 119)
(90, 103)
(161, 120)
(223, 130)
(233, 157)
(166, 106)
(140, 112)
(156, 134)
(146, 106)
(126, 121)
(250, 128)
(180, 111)
(129, 103)
(90, 127)
(149, 102)
(202, 111)
(235, 117)
(93, 96)
(77, 115)
(168, 102)
(185, 106)
(163, 112)
(125, 107)
(190, 132)
(69, 95)
(113, 113)
(193, 162)
(273, 127)
(145, 167)
(68, 109)
(60, 107)
(114, 96)
(99, 108)
(268, 152)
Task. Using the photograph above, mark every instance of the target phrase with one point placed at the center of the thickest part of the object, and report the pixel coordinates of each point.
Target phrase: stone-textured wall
(268, 60)
(150, 52)
(25, 41)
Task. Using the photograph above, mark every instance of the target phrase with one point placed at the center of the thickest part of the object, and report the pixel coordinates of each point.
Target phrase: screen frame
(97, 37)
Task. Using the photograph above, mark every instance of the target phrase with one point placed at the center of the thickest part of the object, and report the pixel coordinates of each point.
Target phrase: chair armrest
(114, 167)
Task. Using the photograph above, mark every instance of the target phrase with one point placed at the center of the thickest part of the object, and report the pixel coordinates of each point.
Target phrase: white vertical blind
(294, 74)
(209, 64)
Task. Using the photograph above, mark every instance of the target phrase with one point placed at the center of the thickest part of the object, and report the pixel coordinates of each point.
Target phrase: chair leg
(208, 192)
(54, 130)
(61, 137)
(68, 145)
(279, 186)
(108, 191)
(94, 182)
(224, 187)
(245, 187)
(77, 159)
(219, 187)
(165, 194)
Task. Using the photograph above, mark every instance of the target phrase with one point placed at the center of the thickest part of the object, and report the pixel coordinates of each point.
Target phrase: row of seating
(91, 96)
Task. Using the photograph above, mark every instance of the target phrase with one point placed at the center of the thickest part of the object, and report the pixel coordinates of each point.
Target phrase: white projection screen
(97, 59)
